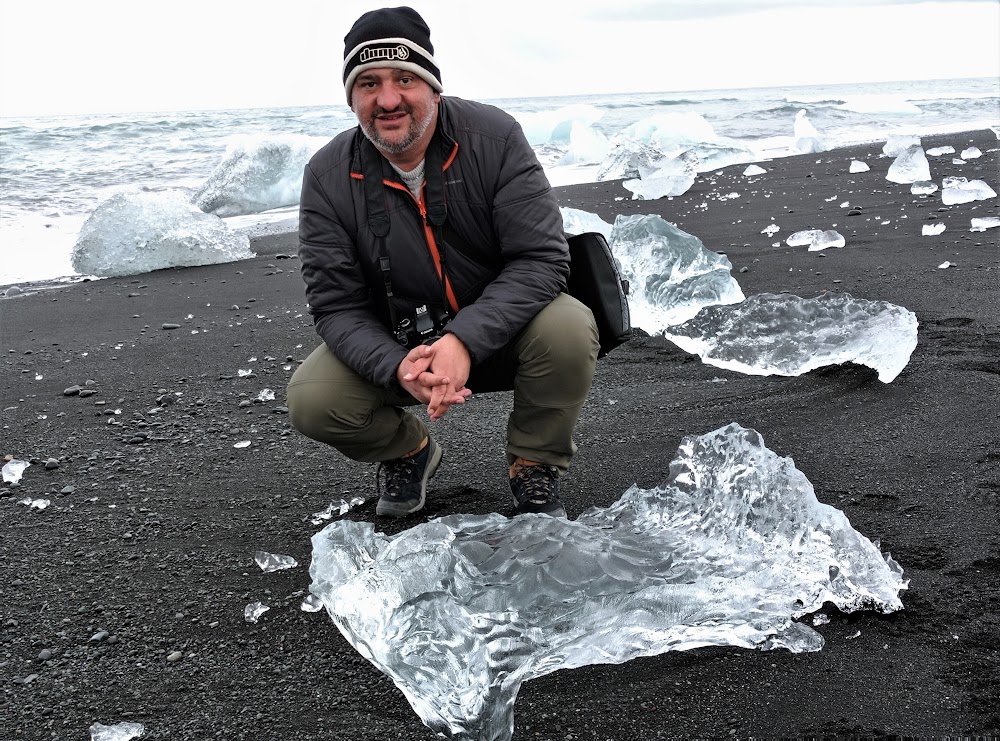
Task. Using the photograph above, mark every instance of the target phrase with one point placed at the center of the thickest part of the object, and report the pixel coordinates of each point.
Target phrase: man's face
(396, 109)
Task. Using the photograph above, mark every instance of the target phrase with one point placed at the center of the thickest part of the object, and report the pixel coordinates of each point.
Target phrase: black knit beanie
(390, 37)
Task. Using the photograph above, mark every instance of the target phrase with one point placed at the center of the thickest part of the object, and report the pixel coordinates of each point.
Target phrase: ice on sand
(269, 562)
(807, 138)
(896, 144)
(13, 470)
(139, 231)
(117, 732)
(670, 272)
(985, 222)
(816, 239)
(956, 190)
(754, 170)
(858, 166)
(785, 335)
(257, 173)
(909, 166)
(923, 187)
(733, 550)
(971, 153)
(932, 230)
(577, 221)
(938, 151)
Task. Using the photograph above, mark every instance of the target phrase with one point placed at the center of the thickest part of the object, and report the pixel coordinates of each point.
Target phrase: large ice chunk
(910, 166)
(785, 335)
(962, 190)
(577, 221)
(896, 144)
(671, 176)
(670, 273)
(626, 158)
(807, 138)
(138, 231)
(257, 173)
(730, 551)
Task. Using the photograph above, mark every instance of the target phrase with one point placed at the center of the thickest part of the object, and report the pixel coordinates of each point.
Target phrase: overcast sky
(79, 56)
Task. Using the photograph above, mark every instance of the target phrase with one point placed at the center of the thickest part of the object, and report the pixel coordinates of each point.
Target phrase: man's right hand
(419, 382)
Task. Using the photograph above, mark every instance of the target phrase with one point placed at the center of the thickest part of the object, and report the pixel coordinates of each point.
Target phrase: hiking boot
(406, 480)
(536, 489)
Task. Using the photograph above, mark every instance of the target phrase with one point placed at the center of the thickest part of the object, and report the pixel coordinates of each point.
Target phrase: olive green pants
(549, 365)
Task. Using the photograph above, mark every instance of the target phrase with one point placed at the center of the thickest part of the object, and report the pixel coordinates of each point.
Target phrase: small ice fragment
(816, 239)
(253, 611)
(932, 230)
(117, 732)
(242, 444)
(820, 619)
(983, 223)
(770, 230)
(845, 204)
(269, 562)
(311, 603)
(957, 161)
(853, 636)
(962, 190)
(807, 139)
(265, 395)
(938, 151)
(923, 187)
(13, 469)
(39, 377)
(909, 166)
(971, 153)
(35, 503)
(754, 170)
(945, 265)
(858, 166)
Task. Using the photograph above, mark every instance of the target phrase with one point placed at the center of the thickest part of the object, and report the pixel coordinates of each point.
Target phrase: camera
(426, 326)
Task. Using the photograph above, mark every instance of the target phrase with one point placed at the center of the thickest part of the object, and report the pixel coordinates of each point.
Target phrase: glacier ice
(626, 157)
(117, 732)
(269, 562)
(981, 224)
(670, 272)
(971, 153)
(807, 138)
(909, 166)
(816, 239)
(257, 173)
(754, 170)
(770, 334)
(733, 550)
(923, 187)
(137, 231)
(671, 176)
(938, 151)
(13, 470)
(962, 190)
(577, 221)
(896, 144)
(932, 230)
(858, 166)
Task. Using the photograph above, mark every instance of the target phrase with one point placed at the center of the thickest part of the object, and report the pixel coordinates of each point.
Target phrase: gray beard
(417, 129)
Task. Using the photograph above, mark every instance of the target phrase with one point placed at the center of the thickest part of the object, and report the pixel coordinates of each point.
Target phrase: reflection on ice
(731, 551)
(671, 275)
(139, 231)
(785, 335)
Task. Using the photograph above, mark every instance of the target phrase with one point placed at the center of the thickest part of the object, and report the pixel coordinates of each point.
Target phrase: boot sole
(386, 508)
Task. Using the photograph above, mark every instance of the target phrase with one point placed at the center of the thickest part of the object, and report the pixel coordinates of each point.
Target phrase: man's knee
(567, 329)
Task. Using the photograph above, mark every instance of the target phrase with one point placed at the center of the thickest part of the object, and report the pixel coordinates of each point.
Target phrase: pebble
(84, 393)
(67, 490)
(175, 656)
(72, 391)
(169, 325)
(12, 291)
(99, 636)
(45, 654)
(51, 464)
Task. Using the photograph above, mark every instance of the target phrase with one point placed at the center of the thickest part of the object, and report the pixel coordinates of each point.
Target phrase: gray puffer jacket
(486, 209)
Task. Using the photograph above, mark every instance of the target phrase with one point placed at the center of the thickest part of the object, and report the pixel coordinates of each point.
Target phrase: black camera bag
(595, 281)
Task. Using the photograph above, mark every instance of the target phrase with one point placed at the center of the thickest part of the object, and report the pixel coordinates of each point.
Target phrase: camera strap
(378, 214)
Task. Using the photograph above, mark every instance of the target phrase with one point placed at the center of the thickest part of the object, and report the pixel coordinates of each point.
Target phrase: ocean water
(245, 165)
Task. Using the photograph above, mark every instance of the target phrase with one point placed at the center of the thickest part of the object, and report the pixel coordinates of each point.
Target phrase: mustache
(401, 108)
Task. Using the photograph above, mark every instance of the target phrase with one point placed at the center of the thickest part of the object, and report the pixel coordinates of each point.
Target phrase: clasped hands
(436, 374)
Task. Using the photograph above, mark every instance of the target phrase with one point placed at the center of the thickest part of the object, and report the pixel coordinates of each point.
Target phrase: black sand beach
(155, 516)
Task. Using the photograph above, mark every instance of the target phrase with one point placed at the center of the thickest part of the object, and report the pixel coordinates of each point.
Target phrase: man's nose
(388, 97)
